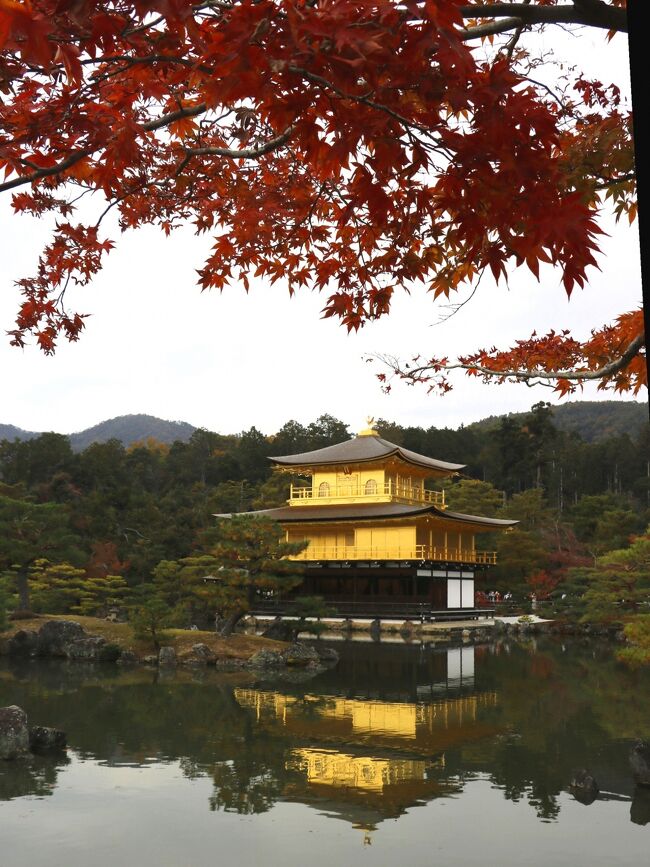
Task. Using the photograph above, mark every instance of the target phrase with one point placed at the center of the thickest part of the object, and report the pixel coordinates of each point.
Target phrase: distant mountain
(597, 420)
(132, 428)
(11, 432)
(593, 420)
(126, 428)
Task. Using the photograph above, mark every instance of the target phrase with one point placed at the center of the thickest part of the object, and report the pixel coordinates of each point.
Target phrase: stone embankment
(67, 639)
(521, 626)
(477, 630)
(443, 631)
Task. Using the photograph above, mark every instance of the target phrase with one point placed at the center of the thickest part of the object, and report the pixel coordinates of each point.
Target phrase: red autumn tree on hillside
(354, 146)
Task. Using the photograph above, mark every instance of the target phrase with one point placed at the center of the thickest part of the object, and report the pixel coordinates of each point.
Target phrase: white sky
(155, 344)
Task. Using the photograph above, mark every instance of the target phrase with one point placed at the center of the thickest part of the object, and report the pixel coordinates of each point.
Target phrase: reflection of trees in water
(567, 706)
(557, 710)
(245, 787)
(31, 775)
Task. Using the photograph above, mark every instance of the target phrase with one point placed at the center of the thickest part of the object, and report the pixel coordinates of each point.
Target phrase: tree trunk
(227, 625)
(22, 584)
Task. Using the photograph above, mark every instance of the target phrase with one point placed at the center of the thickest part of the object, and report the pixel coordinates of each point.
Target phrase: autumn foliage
(613, 355)
(542, 584)
(352, 146)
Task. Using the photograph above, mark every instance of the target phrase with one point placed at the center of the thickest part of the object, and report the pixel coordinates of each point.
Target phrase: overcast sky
(155, 344)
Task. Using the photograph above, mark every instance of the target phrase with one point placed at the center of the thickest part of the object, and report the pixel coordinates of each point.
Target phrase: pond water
(402, 754)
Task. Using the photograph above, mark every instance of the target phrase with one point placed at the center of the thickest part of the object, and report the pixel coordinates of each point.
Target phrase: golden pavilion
(380, 542)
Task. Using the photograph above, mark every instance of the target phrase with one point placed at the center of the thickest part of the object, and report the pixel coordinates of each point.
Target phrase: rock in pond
(88, 648)
(55, 635)
(166, 656)
(42, 739)
(640, 762)
(584, 787)
(23, 643)
(127, 657)
(407, 628)
(327, 654)
(640, 807)
(300, 655)
(266, 659)
(14, 735)
(231, 664)
(203, 653)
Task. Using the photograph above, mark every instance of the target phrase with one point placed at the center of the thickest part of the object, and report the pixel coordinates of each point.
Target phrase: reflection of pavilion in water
(367, 759)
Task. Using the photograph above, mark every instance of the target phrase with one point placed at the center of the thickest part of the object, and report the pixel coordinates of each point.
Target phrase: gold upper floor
(368, 484)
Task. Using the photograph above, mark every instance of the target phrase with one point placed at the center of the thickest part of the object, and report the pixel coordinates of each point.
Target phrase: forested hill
(128, 429)
(593, 420)
(133, 428)
(129, 506)
(11, 432)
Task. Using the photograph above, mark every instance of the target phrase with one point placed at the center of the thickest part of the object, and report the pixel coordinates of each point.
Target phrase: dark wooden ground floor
(420, 590)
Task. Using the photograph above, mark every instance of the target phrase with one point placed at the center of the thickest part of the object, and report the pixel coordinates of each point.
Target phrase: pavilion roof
(369, 512)
(363, 449)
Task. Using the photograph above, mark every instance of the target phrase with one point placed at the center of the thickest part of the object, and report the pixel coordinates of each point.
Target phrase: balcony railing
(351, 493)
(415, 552)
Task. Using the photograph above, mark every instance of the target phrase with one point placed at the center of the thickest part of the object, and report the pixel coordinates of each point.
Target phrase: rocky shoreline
(67, 639)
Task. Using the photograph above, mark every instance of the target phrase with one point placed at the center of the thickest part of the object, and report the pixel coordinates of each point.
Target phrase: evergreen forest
(116, 511)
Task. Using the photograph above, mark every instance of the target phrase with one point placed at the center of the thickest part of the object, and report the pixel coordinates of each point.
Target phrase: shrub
(638, 634)
(149, 615)
(23, 614)
(109, 653)
(311, 607)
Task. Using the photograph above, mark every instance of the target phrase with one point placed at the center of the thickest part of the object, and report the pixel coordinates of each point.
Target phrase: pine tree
(620, 582)
(60, 588)
(251, 559)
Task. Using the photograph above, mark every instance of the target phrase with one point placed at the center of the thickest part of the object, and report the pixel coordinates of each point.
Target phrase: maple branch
(514, 39)
(318, 79)
(491, 29)
(166, 119)
(45, 172)
(243, 153)
(606, 370)
(150, 126)
(592, 13)
(610, 182)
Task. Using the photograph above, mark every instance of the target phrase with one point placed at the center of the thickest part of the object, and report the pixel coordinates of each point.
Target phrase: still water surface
(402, 755)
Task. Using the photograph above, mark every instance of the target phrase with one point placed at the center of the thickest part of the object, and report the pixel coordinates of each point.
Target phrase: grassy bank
(235, 647)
